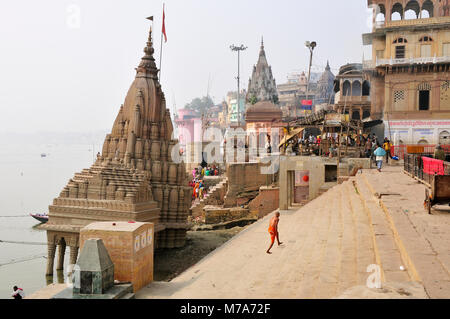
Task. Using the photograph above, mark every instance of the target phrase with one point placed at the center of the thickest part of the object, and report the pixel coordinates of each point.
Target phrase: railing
(402, 150)
(411, 22)
(421, 60)
(413, 164)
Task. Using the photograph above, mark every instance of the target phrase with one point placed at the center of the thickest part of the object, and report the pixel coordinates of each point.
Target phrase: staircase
(214, 196)
(332, 244)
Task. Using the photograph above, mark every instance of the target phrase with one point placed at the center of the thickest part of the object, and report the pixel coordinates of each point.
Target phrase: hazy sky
(56, 74)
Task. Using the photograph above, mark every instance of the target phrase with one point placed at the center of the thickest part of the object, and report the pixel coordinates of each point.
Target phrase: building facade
(410, 69)
(353, 88)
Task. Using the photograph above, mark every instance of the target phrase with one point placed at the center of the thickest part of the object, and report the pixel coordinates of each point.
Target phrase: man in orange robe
(273, 231)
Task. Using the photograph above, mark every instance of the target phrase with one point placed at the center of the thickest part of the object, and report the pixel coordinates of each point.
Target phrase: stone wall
(216, 215)
(130, 246)
(266, 202)
(244, 181)
(316, 167)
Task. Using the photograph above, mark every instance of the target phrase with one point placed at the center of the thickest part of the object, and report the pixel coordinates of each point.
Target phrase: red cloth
(164, 26)
(432, 166)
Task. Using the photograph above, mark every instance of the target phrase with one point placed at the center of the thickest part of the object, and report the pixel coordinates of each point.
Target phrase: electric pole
(238, 49)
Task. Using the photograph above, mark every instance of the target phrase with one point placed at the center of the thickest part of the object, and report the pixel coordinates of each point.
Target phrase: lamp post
(310, 45)
(238, 49)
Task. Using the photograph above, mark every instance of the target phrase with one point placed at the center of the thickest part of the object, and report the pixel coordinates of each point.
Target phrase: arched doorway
(423, 142)
(444, 138)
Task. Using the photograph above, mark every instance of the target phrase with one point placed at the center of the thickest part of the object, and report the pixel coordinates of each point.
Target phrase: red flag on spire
(164, 26)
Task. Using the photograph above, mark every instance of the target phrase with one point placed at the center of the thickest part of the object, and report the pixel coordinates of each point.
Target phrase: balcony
(354, 99)
(411, 22)
(406, 61)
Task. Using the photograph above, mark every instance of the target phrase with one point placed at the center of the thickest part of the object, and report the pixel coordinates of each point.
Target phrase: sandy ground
(172, 262)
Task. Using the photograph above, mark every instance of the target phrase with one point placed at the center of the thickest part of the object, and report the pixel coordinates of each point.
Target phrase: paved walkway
(423, 239)
(328, 246)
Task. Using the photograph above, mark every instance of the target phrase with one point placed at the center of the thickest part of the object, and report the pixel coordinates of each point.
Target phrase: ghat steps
(328, 246)
(212, 197)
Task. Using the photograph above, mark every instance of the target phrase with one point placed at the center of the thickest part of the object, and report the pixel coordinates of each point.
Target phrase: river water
(28, 184)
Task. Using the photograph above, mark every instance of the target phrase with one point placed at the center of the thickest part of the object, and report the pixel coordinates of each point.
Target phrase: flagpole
(160, 51)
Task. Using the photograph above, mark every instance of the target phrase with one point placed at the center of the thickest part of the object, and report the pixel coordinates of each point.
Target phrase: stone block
(130, 246)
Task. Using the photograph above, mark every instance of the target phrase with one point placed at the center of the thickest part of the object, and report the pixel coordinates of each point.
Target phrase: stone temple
(262, 85)
(134, 179)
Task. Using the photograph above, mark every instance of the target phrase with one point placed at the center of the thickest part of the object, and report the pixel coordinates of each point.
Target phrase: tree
(275, 99)
(253, 100)
(200, 105)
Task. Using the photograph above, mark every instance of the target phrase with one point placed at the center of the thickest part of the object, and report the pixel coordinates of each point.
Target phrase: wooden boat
(43, 218)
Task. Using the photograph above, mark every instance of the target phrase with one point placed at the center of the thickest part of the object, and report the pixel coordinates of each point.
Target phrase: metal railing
(413, 164)
(402, 150)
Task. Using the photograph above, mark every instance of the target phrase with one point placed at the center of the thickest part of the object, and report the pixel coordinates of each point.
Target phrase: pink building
(189, 126)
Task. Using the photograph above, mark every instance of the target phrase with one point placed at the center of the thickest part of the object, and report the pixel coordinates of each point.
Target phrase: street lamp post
(238, 49)
(310, 46)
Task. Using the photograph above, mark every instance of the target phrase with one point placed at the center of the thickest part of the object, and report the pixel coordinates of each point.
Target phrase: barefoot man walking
(273, 231)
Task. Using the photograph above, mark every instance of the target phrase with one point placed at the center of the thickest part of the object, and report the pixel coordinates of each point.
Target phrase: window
(400, 40)
(399, 100)
(446, 49)
(400, 52)
(424, 100)
(426, 39)
(399, 96)
(425, 50)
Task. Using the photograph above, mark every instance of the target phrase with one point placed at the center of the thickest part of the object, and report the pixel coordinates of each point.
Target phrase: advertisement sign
(306, 105)
(333, 119)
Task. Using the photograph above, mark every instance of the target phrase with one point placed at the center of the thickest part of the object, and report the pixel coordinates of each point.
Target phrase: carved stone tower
(262, 86)
(134, 178)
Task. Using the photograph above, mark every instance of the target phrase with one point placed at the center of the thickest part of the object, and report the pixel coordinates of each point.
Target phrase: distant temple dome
(325, 85)
(303, 79)
(264, 111)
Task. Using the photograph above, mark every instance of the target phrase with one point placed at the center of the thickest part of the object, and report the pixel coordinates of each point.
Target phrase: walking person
(379, 153)
(18, 293)
(273, 231)
(387, 147)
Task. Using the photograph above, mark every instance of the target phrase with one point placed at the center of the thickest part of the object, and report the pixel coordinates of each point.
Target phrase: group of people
(199, 189)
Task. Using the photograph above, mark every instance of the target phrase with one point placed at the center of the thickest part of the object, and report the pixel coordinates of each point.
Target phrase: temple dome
(264, 111)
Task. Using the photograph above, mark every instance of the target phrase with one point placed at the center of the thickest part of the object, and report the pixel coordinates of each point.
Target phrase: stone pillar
(61, 252)
(73, 255)
(51, 249)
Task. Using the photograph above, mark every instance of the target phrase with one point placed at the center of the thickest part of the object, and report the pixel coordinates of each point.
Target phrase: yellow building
(410, 69)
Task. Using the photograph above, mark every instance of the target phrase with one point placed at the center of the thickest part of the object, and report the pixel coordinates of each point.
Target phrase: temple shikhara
(262, 85)
(134, 179)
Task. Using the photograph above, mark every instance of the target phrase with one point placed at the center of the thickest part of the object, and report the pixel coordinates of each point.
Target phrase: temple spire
(261, 51)
(148, 64)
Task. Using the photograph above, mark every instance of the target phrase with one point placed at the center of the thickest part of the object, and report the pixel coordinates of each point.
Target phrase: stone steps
(197, 208)
(387, 253)
(328, 246)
